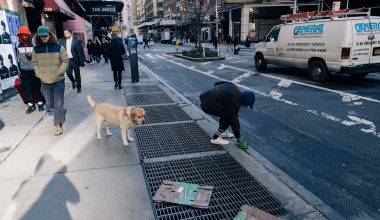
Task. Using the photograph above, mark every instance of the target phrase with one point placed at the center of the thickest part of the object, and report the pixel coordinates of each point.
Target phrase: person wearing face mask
(29, 81)
(50, 62)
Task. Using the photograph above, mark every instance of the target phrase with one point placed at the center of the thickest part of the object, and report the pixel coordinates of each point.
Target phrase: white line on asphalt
(206, 63)
(222, 66)
(354, 120)
(351, 99)
(149, 55)
(165, 55)
(219, 78)
(241, 77)
(307, 85)
(228, 58)
(141, 57)
(284, 83)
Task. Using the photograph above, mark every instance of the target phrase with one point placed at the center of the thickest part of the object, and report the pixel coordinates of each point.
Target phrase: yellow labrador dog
(124, 117)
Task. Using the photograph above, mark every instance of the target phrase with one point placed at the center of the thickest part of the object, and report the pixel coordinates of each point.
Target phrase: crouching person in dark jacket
(224, 101)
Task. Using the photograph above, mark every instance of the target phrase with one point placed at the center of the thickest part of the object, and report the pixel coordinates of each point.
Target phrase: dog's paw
(125, 143)
(98, 137)
(131, 139)
(109, 134)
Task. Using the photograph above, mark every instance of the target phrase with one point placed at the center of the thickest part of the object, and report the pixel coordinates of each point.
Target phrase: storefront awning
(151, 23)
(54, 6)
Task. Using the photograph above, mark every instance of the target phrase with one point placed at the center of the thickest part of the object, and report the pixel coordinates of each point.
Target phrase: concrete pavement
(73, 176)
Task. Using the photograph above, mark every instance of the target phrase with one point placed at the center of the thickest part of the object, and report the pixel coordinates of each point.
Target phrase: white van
(348, 45)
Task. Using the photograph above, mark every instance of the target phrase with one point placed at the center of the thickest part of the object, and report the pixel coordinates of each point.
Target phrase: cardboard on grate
(182, 193)
(252, 213)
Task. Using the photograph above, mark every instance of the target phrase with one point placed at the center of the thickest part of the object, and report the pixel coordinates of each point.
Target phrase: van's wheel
(318, 71)
(260, 63)
(358, 76)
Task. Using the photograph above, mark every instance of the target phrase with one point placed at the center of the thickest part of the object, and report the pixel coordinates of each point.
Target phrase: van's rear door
(375, 36)
(361, 45)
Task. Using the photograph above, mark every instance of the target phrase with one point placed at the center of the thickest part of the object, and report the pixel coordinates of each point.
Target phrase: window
(273, 35)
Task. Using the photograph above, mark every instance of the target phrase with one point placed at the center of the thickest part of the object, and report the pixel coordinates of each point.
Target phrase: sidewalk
(81, 178)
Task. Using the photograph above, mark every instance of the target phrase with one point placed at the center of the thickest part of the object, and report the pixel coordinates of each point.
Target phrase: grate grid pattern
(172, 139)
(165, 113)
(233, 187)
(148, 99)
(142, 89)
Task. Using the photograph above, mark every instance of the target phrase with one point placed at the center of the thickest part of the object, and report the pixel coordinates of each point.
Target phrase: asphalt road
(325, 136)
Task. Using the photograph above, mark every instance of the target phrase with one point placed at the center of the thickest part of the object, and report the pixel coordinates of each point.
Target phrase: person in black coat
(224, 101)
(76, 56)
(116, 51)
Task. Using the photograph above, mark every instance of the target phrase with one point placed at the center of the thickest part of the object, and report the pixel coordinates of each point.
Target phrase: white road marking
(277, 96)
(307, 85)
(165, 55)
(285, 83)
(354, 120)
(241, 77)
(141, 57)
(150, 56)
(351, 99)
(206, 63)
(228, 58)
(210, 72)
(222, 66)
(219, 78)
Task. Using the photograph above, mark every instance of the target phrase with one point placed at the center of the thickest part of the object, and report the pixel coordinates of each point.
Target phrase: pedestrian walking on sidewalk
(90, 49)
(75, 52)
(236, 43)
(97, 50)
(116, 51)
(224, 101)
(50, 62)
(215, 42)
(29, 81)
(105, 49)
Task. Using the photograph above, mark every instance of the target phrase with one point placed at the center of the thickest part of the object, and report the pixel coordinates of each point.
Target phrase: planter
(199, 59)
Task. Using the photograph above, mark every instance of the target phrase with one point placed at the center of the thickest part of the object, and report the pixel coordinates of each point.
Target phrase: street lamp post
(216, 20)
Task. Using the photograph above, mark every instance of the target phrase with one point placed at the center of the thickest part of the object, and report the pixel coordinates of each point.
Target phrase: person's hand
(82, 65)
(240, 143)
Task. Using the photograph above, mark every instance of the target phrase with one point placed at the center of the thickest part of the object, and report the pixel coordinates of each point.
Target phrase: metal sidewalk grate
(142, 89)
(172, 139)
(165, 113)
(148, 99)
(233, 187)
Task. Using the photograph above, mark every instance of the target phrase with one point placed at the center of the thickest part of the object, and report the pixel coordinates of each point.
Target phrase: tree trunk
(199, 25)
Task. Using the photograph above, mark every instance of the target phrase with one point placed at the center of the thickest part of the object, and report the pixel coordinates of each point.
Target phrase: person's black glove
(81, 65)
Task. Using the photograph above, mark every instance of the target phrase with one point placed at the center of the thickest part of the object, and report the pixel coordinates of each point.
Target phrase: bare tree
(200, 10)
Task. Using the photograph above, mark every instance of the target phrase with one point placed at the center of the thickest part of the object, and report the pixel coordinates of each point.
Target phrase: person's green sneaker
(242, 144)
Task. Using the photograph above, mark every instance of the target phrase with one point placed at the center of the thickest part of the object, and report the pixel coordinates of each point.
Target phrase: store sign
(101, 10)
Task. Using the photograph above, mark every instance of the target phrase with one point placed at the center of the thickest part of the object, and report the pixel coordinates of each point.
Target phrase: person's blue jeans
(54, 96)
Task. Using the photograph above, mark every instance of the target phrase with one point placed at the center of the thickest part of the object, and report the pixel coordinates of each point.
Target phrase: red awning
(58, 6)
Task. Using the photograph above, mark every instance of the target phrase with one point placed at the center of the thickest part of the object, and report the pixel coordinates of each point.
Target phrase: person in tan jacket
(50, 62)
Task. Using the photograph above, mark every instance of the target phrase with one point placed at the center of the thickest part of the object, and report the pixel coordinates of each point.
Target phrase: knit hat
(248, 98)
(43, 31)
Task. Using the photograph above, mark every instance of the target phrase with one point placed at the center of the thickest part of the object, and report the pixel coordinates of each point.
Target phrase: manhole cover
(148, 99)
(172, 139)
(165, 113)
(233, 187)
(142, 89)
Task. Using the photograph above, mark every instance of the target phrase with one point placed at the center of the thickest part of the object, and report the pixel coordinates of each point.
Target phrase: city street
(324, 136)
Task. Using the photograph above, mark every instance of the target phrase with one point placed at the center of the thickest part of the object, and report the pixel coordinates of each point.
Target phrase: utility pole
(295, 7)
(348, 2)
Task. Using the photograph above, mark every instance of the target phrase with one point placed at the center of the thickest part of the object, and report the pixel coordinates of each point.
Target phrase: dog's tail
(91, 101)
